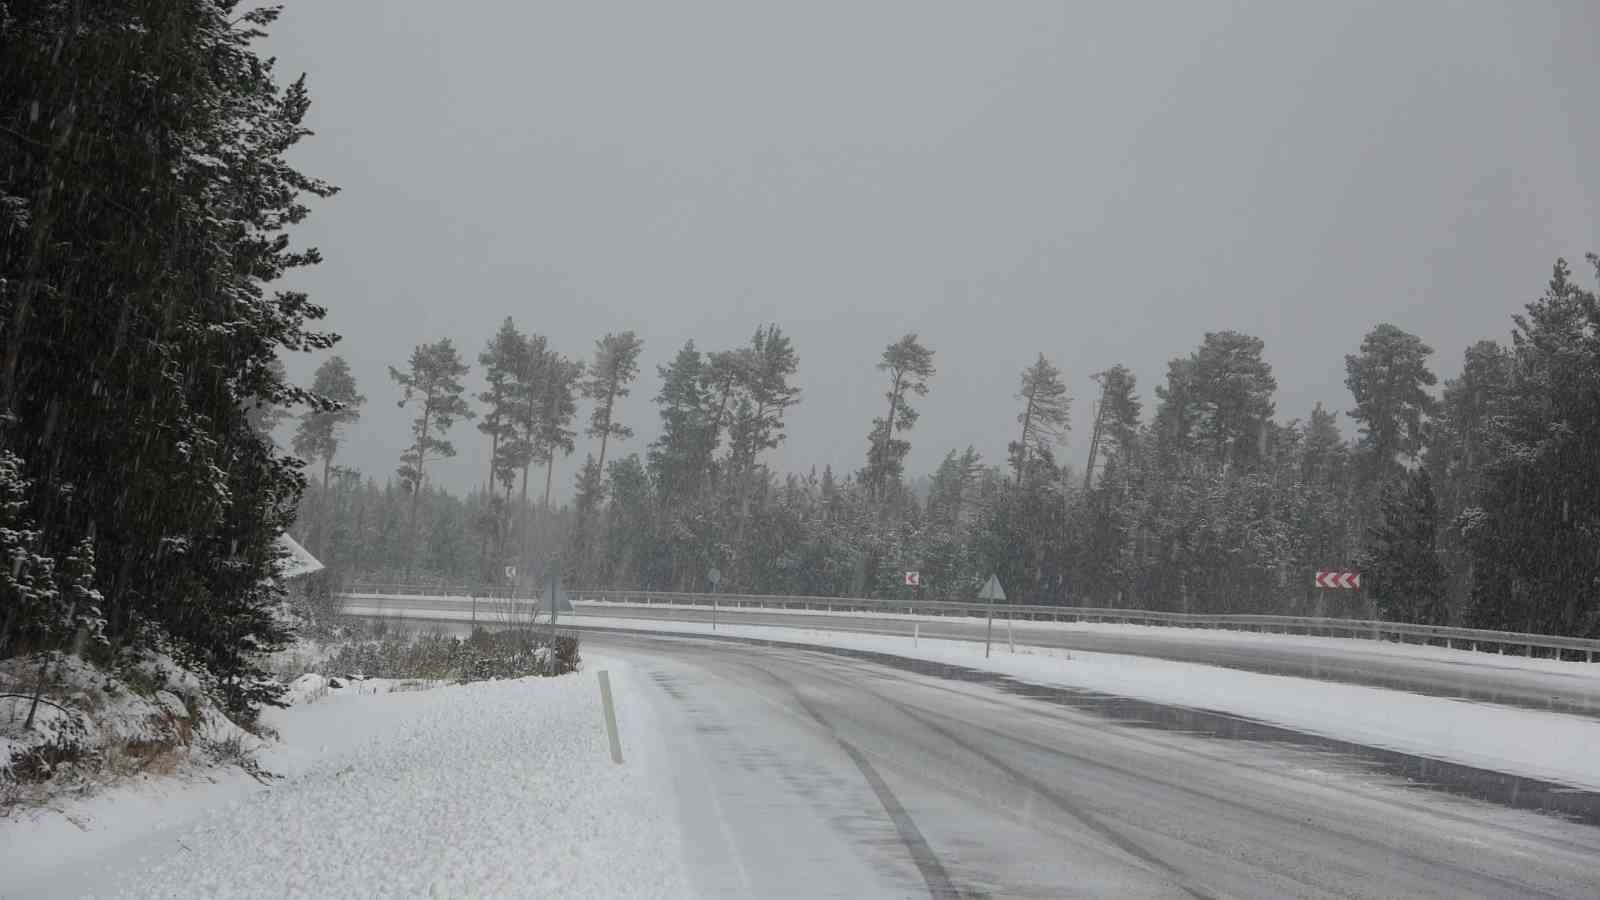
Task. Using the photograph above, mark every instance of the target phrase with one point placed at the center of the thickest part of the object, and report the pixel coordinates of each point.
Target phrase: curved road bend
(804, 774)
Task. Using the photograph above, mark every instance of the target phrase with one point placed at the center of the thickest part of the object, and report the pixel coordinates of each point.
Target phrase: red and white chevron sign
(1339, 580)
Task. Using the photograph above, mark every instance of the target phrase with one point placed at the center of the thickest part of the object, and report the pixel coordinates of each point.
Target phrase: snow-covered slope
(489, 789)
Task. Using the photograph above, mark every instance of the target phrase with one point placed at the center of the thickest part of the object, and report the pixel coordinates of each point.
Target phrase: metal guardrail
(1474, 638)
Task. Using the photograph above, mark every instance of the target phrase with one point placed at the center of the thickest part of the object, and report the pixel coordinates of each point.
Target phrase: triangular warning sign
(992, 590)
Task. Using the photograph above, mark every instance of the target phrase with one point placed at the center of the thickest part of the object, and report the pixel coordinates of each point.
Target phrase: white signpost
(913, 579)
(991, 592)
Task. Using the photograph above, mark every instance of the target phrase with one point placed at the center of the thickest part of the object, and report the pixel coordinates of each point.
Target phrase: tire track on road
(921, 715)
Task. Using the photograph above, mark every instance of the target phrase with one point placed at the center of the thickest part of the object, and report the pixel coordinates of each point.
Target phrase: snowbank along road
(1482, 677)
(493, 789)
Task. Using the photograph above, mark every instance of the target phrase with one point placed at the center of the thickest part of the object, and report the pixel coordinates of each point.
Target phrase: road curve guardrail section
(1473, 638)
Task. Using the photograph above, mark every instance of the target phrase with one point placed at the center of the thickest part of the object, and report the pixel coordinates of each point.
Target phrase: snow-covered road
(1515, 739)
(779, 771)
(804, 774)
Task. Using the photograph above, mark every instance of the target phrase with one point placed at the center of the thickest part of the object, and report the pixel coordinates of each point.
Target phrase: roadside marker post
(715, 577)
(552, 586)
(611, 717)
(991, 592)
(916, 634)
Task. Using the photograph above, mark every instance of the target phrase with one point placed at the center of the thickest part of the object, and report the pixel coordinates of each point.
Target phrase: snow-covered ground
(1549, 746)
(95, 728)
(488, 789)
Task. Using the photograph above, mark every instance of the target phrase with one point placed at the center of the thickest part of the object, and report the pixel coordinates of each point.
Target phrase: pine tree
(1471, 403)
(909, 365)
(555, 397)
(616, 364)
(1400, 567)
(1123, 410)
(1044, 416)
(771, 362)
(318, 435)
(632, 555)
(723, 376)
(139, 231)
(1117, 419)
(264, 414)
(1389, 380)
(1458, 451)
(505, 357)
(1178, 409)
(1233, 388)
(954, 482)
(677, 456)
(590, 493)
(27, 577)
(1323, 447)
(432, 381)
(1532, 534)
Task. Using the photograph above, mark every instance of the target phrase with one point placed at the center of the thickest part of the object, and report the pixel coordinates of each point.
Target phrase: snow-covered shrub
(146, 715)
(481, 656)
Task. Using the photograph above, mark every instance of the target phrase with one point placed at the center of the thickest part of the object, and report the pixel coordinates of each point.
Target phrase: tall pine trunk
(494, 452)
(604, 435)
(888, 435)
(324, 508)
(1022, 444)
(522, 513)
(716, 435)
(416, 491)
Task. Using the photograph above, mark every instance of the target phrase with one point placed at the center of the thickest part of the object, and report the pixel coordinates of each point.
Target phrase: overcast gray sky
(1100, 182)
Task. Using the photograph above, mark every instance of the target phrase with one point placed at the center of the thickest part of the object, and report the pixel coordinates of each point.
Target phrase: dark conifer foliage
(1401, 565)
(144, 211)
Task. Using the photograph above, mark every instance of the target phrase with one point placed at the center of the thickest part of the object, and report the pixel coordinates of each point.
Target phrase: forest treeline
(1472, 502)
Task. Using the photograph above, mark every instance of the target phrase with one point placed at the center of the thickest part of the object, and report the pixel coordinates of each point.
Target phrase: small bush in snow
(434, 655)
(144, 715)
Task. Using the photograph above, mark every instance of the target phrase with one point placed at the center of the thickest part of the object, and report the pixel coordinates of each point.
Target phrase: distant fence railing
(1474, 638)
